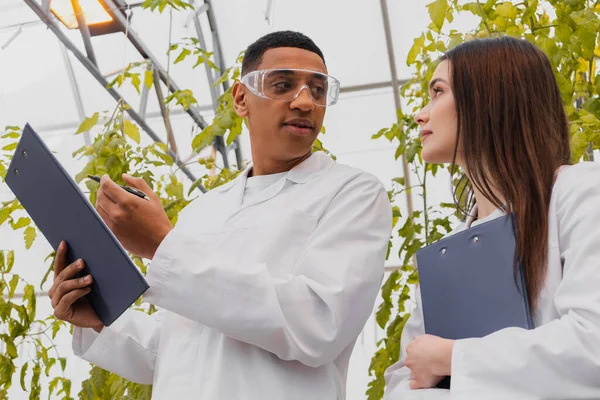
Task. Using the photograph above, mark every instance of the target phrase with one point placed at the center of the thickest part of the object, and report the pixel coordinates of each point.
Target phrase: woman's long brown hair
(513, 135)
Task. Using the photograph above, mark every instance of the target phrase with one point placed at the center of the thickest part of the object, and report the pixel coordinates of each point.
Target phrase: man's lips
(299, 126)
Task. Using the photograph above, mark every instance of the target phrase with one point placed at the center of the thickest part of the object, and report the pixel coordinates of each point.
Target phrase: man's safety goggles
(285, 84)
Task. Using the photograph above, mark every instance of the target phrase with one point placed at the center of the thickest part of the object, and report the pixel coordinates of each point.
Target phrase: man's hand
(66, 294)
(429, 359)
(139, 224)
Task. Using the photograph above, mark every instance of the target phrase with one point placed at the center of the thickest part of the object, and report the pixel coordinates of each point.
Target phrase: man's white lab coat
(260, 301)
(560, 358)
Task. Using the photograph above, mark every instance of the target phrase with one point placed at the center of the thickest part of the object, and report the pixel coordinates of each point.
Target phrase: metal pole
(148, 116)
(220, 61)
(370, 86)
(144, 95)
(213, 90)
(96, 74)
(165, 114)
(145, 52)
(76, 92)
(219, 142)
(396, 86)
(85, 31)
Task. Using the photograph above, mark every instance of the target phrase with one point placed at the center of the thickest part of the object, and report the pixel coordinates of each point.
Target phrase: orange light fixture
(93, 11)
(99, 16)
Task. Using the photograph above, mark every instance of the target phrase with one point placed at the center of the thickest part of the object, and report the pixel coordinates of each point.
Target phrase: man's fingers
(68, 286)
(112, 191)
(65, 274)
(60, 260)
(70, 271)
(109, 211)
(137, 183)
(64, 305)
(103, 214)
(103, 197)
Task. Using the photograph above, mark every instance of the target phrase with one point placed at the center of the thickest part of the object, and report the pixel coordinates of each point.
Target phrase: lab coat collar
(301, 173)
(472, 220)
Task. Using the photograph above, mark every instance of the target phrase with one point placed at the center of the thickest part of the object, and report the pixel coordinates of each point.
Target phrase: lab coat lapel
(266, 194)
(232, 194)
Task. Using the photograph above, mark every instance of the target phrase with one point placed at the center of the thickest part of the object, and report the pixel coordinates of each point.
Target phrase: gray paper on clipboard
(468, 283)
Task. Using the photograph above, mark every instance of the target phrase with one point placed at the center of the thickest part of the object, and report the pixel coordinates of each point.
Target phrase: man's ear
(240, 98)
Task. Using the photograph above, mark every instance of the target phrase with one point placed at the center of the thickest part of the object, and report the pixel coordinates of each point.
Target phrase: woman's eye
(436, 91)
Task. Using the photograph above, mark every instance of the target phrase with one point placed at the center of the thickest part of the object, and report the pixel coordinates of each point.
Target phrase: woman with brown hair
(496, 112)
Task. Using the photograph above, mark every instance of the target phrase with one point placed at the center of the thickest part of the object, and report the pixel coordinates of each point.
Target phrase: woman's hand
(429, 359)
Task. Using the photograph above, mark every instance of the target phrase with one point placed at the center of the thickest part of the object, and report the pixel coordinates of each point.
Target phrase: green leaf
(167, 159)
(88, 124)
(202, 140)
(135, 81)
(30, 234)
(21, 223)
(63, 363)
(148, 78)
(4, 214)
(184, 97)
(10, 260)
(36, 389)
(184, 53)
(56, 325)
(79, 151)
(437, 12)
(29, 298)
(224, 78)
(10, 146)
(14, 281)
(197, 183)
(10, 135)
(49, 365)
(235, 130)
(415, 50)
(11, 349)
(23, 375)
(399, 181)
(413, 278)
(507, 10)
(130, 129)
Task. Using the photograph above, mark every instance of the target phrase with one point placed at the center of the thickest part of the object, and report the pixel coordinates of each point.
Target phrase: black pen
(131, 190)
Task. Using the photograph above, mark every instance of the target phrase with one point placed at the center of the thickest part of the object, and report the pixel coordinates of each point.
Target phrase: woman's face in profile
(438, 119)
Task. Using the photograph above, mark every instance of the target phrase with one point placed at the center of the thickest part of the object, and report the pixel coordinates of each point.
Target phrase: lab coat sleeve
(309, 316)
(127, 348)
(561, 359)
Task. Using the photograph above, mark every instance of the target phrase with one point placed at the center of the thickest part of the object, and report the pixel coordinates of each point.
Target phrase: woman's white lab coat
(560, 358)
(258, 301)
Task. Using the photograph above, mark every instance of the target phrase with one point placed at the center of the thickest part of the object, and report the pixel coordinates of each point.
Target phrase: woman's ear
(240, 97)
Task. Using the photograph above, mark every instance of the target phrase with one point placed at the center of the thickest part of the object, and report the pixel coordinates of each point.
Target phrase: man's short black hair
(254, 53)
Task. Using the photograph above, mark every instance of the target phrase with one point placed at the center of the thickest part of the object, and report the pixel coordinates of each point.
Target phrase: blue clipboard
(469, 287)
(62, 212)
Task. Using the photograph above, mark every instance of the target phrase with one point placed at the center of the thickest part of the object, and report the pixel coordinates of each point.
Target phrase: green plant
(22, 331)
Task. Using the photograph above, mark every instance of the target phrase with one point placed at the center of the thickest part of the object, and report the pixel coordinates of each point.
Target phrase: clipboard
(62, 212)
(469, 286)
